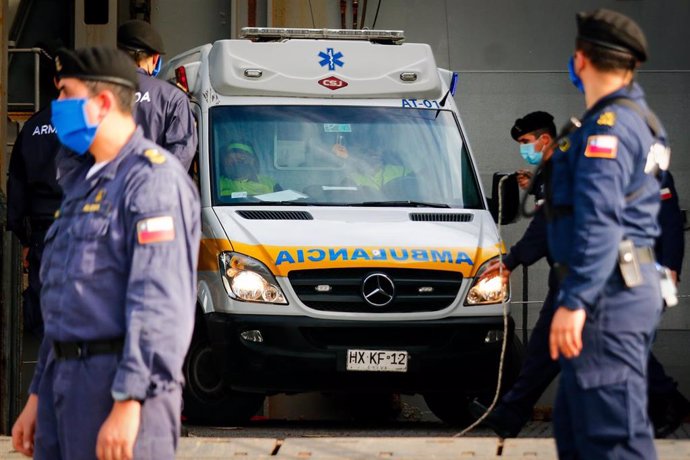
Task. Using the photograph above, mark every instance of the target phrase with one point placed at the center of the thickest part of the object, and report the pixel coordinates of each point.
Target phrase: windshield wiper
(281, 203)
(395, 204)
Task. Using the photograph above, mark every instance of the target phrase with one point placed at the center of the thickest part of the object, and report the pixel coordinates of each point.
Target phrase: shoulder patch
(602, 146)
(155, 230)
(607, 119)
(564, 145)
(154, 156)
(666, 194)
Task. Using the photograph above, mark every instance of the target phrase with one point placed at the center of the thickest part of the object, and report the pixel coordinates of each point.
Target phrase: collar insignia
(155, 156)
(607, 119)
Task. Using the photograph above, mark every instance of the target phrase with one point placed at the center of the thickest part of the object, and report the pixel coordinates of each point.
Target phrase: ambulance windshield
(351, 156)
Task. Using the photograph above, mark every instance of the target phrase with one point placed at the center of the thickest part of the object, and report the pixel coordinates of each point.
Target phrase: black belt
(645, 255)
(81, 350)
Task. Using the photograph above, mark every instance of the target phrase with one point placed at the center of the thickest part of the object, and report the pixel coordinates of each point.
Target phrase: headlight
(489, 290)
(248, 279)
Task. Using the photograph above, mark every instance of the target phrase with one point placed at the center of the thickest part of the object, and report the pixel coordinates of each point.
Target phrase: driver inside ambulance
(240, 172)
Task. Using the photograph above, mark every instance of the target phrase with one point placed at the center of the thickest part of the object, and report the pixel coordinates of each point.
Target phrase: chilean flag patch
(155, 230)
(666, 193)
(601, 146)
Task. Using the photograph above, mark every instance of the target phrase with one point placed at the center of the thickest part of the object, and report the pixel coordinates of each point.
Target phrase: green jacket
(263, 184)
(380, 177)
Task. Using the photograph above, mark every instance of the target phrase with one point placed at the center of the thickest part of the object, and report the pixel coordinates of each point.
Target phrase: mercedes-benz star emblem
(378, 289)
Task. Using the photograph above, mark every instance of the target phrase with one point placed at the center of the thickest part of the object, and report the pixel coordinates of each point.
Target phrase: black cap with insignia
(533, 122)
(137, 35)
(97, 63)
(612, 30)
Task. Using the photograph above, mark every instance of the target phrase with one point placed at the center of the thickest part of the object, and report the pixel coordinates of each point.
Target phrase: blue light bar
(454, 83)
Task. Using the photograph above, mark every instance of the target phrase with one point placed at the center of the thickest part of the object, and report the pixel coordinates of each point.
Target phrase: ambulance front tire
(453, 407)
(207, 399)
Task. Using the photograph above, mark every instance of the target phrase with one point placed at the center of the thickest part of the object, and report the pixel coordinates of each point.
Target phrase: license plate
(377, 360)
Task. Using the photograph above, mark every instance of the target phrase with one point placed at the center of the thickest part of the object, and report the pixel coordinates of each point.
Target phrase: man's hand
(566, 333)
(674, 277)
(340, 150)
(119, 431)
(25, 427)
(523, 178)
(493, 269)
(25, 257)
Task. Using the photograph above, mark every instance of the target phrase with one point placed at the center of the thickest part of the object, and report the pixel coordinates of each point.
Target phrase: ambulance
(344, 226)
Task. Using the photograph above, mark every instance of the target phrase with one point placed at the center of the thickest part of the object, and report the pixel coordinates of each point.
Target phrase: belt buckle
(81, 350)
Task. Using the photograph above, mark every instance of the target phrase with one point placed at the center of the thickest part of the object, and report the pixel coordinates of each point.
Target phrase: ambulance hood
(314, 237)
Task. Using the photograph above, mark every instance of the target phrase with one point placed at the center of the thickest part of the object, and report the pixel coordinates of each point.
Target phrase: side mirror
(509, 197)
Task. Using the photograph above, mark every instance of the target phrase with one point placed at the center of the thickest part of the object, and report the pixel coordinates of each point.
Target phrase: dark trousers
(601, 407)
(660, 383)
(538, 369)
(74, 400)
(33, 319)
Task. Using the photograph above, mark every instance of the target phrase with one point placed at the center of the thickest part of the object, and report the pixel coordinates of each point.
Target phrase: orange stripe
(269, 255)
(209, 251)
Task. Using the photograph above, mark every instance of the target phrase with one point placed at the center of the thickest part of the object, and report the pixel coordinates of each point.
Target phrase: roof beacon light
(181, 77)
(253, 73)
(395, 37)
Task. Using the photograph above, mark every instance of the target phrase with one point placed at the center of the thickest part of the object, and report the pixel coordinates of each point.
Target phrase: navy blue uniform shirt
(120, 262)
(33, 194)
(593, 172)
(162, 110)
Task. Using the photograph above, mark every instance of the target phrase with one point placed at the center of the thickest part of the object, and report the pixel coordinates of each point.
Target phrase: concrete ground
(414, 434)
(374, 448)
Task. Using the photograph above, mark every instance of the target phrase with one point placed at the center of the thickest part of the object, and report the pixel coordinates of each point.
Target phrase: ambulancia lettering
(293, 256)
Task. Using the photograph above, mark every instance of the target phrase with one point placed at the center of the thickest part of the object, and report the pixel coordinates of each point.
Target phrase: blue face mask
(576, 81)
(157, 69)
(73, 128)
(529, 155)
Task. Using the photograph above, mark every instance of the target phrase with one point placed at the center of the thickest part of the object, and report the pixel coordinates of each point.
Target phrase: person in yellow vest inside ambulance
(373, 167)
(240, 173)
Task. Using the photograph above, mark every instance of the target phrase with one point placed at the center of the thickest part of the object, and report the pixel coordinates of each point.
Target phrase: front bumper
(301, 354)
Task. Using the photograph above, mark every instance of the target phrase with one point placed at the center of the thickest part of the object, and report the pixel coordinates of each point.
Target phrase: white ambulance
(344, 225)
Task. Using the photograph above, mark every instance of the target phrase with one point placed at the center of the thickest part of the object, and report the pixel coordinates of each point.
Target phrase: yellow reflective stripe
(301, 257)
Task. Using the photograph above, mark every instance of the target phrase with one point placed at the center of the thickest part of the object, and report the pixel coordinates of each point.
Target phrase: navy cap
(137, 35)
(97, 63)
(532, 122)
(612, 30)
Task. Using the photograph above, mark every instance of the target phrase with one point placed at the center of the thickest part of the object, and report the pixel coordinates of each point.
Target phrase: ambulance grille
(340, 290)
(440, 217)
(275, 215)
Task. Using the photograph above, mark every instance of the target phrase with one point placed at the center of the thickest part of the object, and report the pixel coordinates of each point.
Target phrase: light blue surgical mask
(73, 128)
(159, 66)
(574, 79)
(529, 154)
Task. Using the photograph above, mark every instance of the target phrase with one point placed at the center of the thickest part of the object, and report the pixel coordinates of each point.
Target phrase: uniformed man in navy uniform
(119, 279)
(603, 203)
(33, 196)
(535, 133)
(667, 406)
(162, 110)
